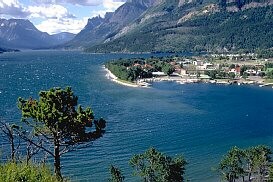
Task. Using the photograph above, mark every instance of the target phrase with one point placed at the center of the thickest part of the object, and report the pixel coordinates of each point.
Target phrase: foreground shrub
(15, 172)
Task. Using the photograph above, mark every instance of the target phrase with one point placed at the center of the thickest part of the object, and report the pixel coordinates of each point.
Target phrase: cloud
(82, 2)
(74, 2)
(49, 12)
(108, 6)
(13, 8)
(53, 26)
(111, 4)
(64, 23)
(56, 19)
(53, 15)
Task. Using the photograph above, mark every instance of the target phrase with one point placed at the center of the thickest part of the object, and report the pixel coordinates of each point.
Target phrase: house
(183, 72)
(236, 70)
(206, 66)
(233, 70)
(205, 77)
(197, 63)
(186, 62)
(175, 74)
(137, 64)
(148, 66)
(251, 72)
(177, 69)
(158, 73)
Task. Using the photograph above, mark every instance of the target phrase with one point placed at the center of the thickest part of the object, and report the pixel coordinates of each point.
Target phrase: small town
(216, 68)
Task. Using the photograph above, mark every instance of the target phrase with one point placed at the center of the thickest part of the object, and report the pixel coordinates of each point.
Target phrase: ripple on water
(199, 121)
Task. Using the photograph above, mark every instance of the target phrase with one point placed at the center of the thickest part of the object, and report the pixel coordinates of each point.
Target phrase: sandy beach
(112, 77)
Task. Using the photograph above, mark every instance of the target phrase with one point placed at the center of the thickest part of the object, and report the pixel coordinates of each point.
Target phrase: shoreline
(145, 83)
(113, 78)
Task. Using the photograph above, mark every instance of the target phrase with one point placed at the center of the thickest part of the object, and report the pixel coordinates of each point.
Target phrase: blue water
(200, 121)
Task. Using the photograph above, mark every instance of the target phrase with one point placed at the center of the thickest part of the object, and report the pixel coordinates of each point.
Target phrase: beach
(112, 77)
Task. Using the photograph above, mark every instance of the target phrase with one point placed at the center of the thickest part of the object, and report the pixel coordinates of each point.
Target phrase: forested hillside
(197, 26)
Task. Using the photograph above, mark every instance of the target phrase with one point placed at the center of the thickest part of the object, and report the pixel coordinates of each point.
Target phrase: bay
(200, 121)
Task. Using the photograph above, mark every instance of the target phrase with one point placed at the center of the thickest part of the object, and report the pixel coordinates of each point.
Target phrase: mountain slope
(63, 37)
(197, 25)
(22, 34)
(100, 29)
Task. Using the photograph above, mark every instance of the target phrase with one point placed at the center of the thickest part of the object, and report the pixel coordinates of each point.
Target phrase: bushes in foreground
(15, 172)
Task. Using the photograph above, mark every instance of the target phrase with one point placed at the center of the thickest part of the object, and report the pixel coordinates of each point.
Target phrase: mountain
(100, 29)
(62, 37)
(22, 34)
(195, 25)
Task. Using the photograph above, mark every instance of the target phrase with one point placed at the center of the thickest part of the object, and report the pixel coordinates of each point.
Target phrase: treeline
(264, 53)
(133, 69)
(219, 74)
(269, 70)
(122, 70)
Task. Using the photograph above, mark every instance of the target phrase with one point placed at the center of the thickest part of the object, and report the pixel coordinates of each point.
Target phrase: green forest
(132, 69)
(249, 30)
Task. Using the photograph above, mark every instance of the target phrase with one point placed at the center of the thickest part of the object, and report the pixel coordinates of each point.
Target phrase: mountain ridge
(99, 29)
(172, 26)
(22, 34)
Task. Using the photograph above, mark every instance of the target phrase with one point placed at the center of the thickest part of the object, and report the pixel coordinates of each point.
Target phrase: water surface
(200, 121)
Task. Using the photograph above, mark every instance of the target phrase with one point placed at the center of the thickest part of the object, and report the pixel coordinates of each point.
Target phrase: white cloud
(76, 2)
(55, 17)
(108, 6)
(58, 21)
(53, 26)
(13, 8)
(49, 11)
(111, 4)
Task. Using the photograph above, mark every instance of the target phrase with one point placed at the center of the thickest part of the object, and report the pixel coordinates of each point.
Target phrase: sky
(55, 16)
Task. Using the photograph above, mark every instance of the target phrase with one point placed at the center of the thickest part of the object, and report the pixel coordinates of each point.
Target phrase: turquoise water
(200, 121)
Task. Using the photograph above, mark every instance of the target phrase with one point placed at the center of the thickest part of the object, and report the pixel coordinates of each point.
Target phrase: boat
(144, 84)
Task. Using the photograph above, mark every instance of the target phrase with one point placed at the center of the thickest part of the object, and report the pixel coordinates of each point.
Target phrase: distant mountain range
(159, 26)
(22, 34)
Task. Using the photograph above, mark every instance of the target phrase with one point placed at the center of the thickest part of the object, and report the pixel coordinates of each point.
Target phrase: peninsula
(215, 68)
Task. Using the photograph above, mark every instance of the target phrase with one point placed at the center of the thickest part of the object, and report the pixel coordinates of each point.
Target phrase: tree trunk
(249, 176)
(12, 146)
(57, 159)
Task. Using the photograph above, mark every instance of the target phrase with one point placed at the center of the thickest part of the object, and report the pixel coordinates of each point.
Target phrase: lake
(200, 121)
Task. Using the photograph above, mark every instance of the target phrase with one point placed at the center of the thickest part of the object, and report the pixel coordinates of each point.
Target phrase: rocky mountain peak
(22, 34)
